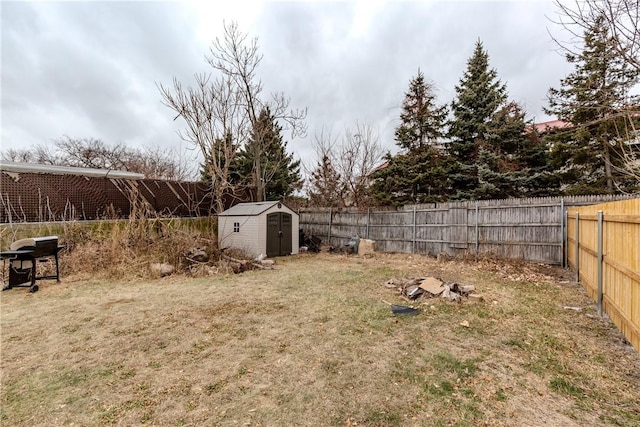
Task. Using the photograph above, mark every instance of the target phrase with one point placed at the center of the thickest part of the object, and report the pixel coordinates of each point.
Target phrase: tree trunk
(607, 166)
(257, 168)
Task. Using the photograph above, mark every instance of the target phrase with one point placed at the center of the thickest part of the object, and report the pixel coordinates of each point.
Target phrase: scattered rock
(162, 269)
(391, 284)
(465, 323)
(197, 255)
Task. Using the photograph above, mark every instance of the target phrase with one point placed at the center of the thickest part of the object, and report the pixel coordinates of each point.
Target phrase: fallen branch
(239, 261)
(245, 262)
(196, 262)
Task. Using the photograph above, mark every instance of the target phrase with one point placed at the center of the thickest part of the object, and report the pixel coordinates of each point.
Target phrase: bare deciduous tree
(154, 162)
(629, 145)
(346, 165)
(359, 154)
(622, 18)
(212, 113)
(40, 154)
(92, 153)
(237, 57)
(161, 163)
(221, 112)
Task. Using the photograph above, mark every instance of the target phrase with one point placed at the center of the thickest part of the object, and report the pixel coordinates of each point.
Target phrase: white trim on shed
(244, 226)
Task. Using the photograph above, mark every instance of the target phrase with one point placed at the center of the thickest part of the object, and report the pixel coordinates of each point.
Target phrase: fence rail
(602, 243)
(531, 229)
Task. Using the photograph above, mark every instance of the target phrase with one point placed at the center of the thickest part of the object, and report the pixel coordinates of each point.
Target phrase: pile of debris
(242, 265)
(419, 288)
(308, 242)
(356, 245)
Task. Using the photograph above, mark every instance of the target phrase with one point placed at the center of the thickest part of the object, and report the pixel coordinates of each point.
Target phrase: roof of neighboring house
(551, 125)
(249, 209)
(380, 167)
(67, 170)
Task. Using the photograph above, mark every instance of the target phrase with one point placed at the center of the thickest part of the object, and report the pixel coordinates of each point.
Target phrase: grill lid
(46, 245)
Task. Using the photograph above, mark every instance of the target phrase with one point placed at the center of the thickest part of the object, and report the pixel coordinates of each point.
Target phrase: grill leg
(33, 272)
(57, 270)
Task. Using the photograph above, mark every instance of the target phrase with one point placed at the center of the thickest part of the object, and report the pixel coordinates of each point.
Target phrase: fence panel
(618, 270)
(530, 229)
(458, 228)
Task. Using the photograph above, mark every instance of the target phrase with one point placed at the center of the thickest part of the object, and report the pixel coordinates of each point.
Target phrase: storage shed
(267, 228)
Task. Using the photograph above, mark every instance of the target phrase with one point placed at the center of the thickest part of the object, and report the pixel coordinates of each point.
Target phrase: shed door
(279, 229)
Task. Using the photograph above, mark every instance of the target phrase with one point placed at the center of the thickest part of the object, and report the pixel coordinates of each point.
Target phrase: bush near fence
(603, 249)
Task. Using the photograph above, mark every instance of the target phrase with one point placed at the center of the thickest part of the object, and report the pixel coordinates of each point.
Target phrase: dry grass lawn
(312, 344)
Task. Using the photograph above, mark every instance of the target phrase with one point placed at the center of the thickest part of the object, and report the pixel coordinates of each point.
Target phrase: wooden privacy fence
(530, 229)
(602, 243)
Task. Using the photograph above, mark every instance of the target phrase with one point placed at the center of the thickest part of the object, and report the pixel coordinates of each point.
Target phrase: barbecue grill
(24, 255)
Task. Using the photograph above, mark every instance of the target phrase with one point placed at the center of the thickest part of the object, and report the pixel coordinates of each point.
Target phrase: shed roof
(248, 209)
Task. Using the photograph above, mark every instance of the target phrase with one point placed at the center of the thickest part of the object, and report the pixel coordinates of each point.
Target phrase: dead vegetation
(313, 343)
(126, 249)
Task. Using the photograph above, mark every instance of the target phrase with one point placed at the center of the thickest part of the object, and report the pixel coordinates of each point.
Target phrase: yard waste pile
(242, 265)
(419, 288)
(309, 242)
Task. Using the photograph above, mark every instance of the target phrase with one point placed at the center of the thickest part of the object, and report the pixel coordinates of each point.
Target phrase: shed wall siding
(261, 234)
(245, 239)
(295, 234)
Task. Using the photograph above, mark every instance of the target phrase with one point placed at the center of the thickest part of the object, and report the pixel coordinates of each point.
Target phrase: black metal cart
(24, 255)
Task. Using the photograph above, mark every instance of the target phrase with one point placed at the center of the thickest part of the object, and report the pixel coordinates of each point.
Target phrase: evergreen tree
(536, 175)
(216, 157)
(325, 185)
(264, 158)
(479, 96)
(422, 121)
(419, 173)
(513, 161)
(419, 176)
(591, 98)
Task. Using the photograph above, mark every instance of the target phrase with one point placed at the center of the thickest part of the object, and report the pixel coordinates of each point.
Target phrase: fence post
(562, 215)
(368, 220)
(577, 247)
(330, 219)
(413, 238)
(599, 300)
(477, 231)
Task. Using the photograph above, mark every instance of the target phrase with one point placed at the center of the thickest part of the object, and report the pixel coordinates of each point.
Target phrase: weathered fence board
(531, 229)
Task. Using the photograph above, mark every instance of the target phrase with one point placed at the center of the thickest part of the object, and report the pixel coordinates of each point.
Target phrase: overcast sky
(90, 69)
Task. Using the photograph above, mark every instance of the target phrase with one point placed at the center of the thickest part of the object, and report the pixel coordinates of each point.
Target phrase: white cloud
(90, 69)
